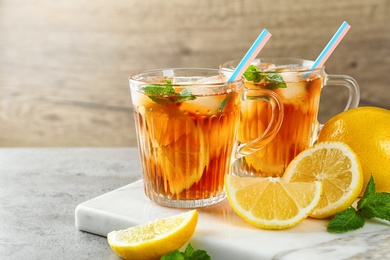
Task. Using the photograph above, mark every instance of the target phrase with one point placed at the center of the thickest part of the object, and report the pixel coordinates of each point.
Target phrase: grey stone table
(41, 187)
(39, 191)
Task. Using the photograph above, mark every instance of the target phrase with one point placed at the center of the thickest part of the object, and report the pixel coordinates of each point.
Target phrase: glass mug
(299, 87)
(186, 122)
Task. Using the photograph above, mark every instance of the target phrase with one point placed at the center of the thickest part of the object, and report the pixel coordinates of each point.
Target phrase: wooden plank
(64, 65)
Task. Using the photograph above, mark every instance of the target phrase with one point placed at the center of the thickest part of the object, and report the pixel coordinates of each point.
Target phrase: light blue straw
(329, 45)
(248, 55)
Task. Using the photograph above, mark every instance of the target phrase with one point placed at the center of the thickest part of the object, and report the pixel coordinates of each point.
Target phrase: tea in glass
(187, 122)
(299, 87)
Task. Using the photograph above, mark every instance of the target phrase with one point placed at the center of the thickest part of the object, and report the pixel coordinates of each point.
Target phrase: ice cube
(201, 87)
(209, 94)
(185, 80)
(266, 66)
(155, 80)
(221, 78)
(204, 105)
(295, 91)
(290, 77)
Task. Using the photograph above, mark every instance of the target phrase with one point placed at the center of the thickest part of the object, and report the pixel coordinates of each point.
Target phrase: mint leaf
(184, 95)
(159, 90)
(189, 251)
(165, 94)
(252, 74)
(273, 80)
(174, 255)
(160, 94)
(199, 255)
(378, 207)
(188, 254)
(371, 205)
(161, 100)
(368, 195)
(346, 220)
(365, 203)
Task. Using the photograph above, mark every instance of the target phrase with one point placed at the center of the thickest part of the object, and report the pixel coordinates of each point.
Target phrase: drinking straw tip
(250, 55)
(331, 46)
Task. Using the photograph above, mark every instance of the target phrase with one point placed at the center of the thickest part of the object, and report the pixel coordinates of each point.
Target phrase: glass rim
(288, 62)
(137, 76)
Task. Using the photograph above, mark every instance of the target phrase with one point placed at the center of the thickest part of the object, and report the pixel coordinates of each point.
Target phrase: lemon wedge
(155, 239)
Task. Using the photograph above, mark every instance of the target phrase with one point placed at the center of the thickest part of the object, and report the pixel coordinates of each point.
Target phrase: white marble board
(223, 233)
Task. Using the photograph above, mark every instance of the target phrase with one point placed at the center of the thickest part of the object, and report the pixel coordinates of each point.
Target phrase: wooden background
(64, 65)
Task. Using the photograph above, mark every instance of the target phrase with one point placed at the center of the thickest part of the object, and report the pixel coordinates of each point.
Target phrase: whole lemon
(367, 131)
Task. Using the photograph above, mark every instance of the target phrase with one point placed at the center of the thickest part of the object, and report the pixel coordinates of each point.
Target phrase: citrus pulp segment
(155, 239)
(269, 202)
(180, 145)
(334, 164)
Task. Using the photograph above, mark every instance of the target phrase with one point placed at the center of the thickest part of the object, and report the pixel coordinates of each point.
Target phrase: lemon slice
(334, 164)
(155, 239)
(179, 146)
(269, 202)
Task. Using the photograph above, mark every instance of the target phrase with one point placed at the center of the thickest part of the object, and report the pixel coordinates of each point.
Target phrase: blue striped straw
(332, 44)
(250, 55)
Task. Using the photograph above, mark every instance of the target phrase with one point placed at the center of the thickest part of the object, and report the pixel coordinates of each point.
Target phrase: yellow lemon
(337, 167)
(367, 131)
(155, 239)
(179, 144)
(270, 203)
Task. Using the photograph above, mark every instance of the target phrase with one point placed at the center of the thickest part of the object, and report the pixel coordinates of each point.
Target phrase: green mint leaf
(184, 95)
(161, 100)
(160, 94)
(165, 94)
(346, 220)
(377, 207)
(200, 255)
(368, 195)
(366, 203)
(174, 255)
(273, 80)
(189, 251)
(373, 204)
(189, 254)
(159, 90)
(252, 74)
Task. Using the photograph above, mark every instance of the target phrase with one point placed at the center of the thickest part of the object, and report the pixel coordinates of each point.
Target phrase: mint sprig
(252, 74)
(346, 220)
(189, 254)
(165, 94)
(273, 80)
(372, 205)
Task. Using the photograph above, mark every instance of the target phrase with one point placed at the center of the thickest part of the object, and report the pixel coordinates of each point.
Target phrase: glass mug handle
(353, 88)
(348, 82)
(277, 109)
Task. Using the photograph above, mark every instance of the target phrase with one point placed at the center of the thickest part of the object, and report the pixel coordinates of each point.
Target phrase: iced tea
(186, 129)
(299, 86)
(300, 95)
(299, 89)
